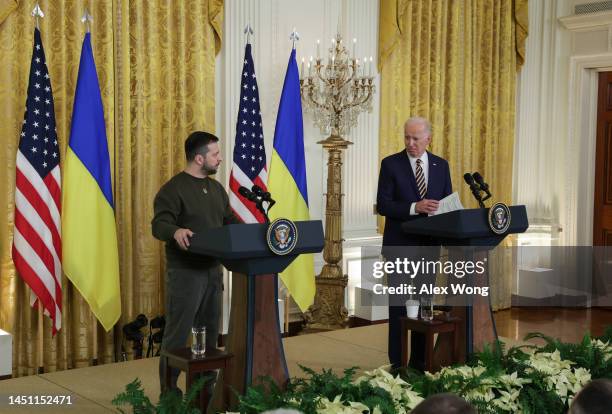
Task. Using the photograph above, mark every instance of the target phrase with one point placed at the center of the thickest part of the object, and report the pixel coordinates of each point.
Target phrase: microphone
(265, 196)
(257, 190)
(261, 193)
(467, 177)
(481, 182)
(246, 193)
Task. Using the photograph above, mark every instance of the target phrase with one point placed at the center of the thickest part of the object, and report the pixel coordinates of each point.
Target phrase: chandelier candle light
(335, 93)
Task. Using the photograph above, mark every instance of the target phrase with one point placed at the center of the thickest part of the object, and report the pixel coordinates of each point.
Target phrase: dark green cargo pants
(193, 298)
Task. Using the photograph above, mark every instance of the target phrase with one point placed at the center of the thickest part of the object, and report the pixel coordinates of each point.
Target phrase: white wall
(556, 119)
(272, 22)
(554, 146)
(541, 119)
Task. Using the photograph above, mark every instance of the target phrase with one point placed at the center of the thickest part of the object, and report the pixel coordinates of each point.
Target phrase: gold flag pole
(95, 339)
(287, 296)
(37, 13)
(41, 334)
(86, 19)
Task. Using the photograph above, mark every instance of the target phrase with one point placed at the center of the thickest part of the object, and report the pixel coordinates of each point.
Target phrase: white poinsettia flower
(382, 371)
(549, 363)
(501, 391)
(480, 393)
(567, 382)
(432, 376)
(513, 380)
(401, 392)
(326, 406)
(337, 406)
(358, 407)
(394, 386)
(412, 398)
(583, 376)
(605, 347)
(561, 390)
(508, 401)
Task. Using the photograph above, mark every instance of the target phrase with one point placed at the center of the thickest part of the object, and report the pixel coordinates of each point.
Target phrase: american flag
(37, 236)
(249, 164)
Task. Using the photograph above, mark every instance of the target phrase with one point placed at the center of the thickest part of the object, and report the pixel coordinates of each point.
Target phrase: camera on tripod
(132, 332)
(158, 323)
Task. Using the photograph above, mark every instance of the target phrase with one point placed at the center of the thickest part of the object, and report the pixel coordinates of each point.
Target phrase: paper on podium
(448, 204)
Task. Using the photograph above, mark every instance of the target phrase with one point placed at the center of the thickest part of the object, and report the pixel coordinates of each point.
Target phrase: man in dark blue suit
(410, 185)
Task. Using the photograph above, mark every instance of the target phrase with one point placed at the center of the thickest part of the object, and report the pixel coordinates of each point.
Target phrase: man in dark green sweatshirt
(190, 203)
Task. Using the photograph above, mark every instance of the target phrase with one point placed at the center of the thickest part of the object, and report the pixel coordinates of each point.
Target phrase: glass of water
(426, 309)
(198, 341)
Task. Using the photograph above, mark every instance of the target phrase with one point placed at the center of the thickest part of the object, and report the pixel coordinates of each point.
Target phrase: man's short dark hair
(444, 403)
(197, 143)
(593, 398)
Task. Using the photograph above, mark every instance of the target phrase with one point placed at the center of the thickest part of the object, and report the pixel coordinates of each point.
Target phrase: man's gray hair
(419, 120)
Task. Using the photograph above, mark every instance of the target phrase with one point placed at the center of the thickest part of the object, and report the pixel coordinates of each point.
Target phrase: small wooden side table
(430, 328)
(183, 359)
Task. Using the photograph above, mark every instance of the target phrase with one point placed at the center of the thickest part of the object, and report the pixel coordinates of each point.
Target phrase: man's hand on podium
(426, 206)
(182, 237)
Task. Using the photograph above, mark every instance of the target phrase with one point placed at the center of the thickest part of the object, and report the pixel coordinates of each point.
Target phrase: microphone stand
(262, 196)
(476, 191)
(467, 177)
(260, 207)
(485, 199)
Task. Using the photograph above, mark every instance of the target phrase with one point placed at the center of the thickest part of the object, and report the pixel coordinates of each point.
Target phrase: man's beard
(208, 170)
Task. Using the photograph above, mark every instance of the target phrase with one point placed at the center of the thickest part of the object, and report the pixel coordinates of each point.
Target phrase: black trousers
(417, 341)
(397, 308)
(193, 298)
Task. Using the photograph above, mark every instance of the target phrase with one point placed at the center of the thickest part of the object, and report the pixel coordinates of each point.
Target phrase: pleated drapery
(455, 63)
(156, 68)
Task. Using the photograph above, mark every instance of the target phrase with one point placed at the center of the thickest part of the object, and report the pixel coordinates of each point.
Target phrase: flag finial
(248, 30)
(295, 36)
(87, 19)
(37, 13)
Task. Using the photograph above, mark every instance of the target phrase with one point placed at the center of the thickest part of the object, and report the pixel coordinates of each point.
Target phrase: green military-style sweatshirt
(191, 203)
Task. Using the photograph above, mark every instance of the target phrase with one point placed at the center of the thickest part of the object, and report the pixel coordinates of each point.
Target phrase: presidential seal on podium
(282, 236)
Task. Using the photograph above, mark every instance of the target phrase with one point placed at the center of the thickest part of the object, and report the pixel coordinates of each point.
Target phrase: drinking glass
(198, 341)
(426, 309)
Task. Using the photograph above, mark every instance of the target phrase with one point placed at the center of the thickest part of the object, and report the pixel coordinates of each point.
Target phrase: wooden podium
(468, 237)
(254, 336)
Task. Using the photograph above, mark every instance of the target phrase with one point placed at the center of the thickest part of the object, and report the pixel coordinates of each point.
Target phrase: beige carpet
(93, 388)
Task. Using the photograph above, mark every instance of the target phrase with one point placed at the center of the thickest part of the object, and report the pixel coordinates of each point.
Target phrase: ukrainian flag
(287, 180)
(89, 235)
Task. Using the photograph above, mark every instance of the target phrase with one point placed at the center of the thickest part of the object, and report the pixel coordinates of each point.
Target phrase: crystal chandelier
(337, 92)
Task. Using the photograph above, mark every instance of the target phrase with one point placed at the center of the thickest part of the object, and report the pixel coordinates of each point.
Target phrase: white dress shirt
(425, 166)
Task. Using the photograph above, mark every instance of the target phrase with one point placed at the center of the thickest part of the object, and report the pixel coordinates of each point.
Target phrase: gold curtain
(6, 7)
(454, 62)
(156, 67)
